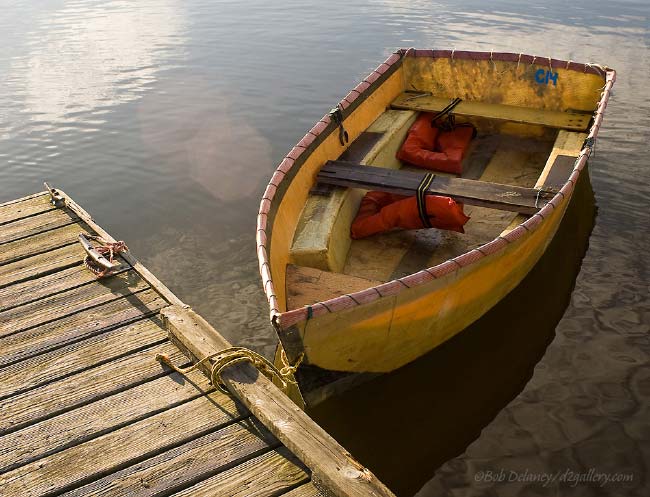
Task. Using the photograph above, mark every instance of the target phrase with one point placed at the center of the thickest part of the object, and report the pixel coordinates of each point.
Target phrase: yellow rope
(235, 355)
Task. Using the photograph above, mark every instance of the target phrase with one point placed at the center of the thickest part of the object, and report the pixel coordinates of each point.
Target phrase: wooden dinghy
(377, 303)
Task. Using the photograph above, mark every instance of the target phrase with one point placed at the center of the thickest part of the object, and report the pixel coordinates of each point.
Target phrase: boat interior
(514, 146)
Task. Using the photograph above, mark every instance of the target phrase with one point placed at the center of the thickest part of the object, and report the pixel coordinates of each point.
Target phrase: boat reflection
(405, 424)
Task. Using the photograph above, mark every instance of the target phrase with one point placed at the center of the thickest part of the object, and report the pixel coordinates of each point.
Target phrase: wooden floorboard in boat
(306, 285)
(510, 160)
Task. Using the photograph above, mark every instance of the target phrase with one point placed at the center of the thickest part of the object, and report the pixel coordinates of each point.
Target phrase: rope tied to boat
(336, 114)
(105, 249)
(236, 355)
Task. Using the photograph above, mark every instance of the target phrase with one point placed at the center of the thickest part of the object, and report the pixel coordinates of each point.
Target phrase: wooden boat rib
(325, 303)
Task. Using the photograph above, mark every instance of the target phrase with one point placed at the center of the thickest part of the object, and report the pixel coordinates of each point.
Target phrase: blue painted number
(543, 76)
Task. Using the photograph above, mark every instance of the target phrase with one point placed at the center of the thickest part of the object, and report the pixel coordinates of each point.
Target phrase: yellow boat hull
(393, 322)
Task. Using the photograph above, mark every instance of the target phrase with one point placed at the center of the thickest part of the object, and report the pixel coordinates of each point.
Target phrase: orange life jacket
(380, 212)
(431, 148)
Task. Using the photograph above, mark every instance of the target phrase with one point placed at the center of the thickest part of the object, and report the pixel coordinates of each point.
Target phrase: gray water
(165, 118)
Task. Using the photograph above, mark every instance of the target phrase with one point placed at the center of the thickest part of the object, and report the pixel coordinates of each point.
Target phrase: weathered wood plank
(41, 264)
(560, 171)
(578, 121)
(129, 445)
(34, 225)
(69, 302)
(49, 367)
(186, 465)
(356, 152)
(23, 199)
(79, 326)
(38, 244)
(27, 206)
(332, 466)
(265, 475)
(306, 285)
(143, 271)
(85, 387)
(566, 143)
(360, 147)
(92, 420)
(305, 490)
(473, 192)
(32, 290)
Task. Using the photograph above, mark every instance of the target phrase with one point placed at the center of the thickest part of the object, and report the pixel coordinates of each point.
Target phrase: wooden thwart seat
(575, 121)
(473, 192)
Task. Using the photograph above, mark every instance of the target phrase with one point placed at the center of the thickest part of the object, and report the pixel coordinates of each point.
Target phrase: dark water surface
(165, 118)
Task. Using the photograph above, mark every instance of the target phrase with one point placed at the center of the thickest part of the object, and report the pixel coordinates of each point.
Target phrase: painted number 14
(544, 76)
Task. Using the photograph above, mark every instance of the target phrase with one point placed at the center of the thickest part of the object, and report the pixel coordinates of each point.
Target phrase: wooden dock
(86, 409)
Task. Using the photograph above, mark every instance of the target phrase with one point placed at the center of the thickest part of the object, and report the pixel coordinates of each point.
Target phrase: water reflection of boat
(405, 424)
(373, 305)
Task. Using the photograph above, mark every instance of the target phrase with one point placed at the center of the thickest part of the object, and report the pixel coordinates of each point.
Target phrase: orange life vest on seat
(428, 147)
(380, 212)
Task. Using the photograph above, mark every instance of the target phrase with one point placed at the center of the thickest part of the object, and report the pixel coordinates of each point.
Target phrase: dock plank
(30, 291)
(22, 199)
(330, 464)
(266, 475)
(113, 451)
(78, 326)
(69, 302)
(41, 265)
(186, 465)
(29, 206)
(41, 243)
(305, 490)
(33, 225)
(96, 350)
(102, 416)
(85, 387)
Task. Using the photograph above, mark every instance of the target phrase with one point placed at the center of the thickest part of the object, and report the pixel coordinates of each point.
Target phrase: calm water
(165, 118)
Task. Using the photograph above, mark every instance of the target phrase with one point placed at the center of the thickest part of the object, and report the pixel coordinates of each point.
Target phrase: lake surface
(165, 119)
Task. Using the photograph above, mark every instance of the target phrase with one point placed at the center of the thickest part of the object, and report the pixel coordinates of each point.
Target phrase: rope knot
(235, 355)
